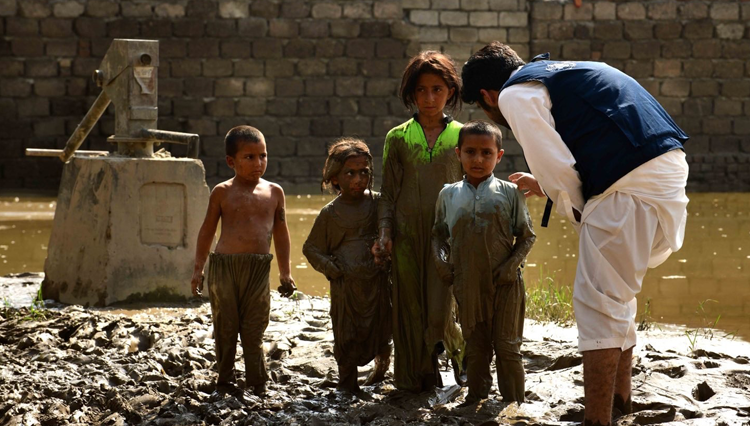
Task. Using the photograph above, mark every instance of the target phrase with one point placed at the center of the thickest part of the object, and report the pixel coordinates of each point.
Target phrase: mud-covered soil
(156, 366)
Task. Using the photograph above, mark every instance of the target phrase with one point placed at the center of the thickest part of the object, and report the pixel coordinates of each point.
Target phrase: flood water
(712, 270)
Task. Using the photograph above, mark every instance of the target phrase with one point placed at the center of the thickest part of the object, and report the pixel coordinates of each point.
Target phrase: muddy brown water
(711, 271)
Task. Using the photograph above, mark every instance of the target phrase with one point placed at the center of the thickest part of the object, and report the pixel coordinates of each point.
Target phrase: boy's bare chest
(249, 207)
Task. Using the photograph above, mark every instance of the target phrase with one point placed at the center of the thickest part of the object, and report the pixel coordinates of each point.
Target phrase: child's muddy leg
(348, 377)
(382, 362)
(478, 359)
(510, 373)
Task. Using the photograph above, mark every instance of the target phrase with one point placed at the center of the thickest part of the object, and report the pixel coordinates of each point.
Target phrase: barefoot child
(251, 210)
(418, 159)
(481, 236)
(339, 247)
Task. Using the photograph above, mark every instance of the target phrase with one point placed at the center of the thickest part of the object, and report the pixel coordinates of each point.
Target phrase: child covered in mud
(481, 236)
(418, 159)
(252, 213)
(339, 247)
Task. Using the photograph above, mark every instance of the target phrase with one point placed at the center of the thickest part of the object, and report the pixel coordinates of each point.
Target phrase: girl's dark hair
(488, 68)
(480, 127)
(436, 63)
(340, 151)
(239, 134)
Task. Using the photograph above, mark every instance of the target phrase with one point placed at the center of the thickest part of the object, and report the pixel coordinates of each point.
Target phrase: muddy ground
(155, 366)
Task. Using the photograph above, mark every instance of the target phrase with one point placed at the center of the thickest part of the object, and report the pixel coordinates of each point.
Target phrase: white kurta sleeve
(527, 108)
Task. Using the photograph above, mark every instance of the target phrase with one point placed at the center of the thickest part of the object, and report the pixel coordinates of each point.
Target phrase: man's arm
(440, 247)
(206, 238)
(527, 108)
(282, 243)
(525, 237)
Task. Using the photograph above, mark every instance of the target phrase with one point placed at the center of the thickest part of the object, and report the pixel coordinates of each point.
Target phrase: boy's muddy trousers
(502, 336)
(240, 303)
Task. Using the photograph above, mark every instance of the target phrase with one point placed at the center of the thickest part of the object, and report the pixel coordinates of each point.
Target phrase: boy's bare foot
(378, 371)
(259, 390)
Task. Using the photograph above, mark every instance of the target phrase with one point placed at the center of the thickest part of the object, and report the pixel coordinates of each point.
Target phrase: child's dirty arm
(283, 243)
(315, 250)
(205, 239)
(439, 243)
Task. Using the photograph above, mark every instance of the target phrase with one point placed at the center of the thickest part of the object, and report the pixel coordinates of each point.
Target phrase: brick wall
(306, 72)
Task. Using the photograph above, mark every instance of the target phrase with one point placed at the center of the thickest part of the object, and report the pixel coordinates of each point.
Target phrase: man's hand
(287, 287)
(527, 184)
(196, 284)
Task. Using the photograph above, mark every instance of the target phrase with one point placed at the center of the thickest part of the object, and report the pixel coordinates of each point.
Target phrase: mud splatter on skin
(156, 367)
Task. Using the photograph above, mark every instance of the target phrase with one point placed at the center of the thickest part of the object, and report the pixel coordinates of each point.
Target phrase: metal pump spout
(128, 78)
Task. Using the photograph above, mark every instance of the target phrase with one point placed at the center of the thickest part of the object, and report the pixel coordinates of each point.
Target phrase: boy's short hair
(239, 134)
(479, 127)
(488, 68)
(432, 62)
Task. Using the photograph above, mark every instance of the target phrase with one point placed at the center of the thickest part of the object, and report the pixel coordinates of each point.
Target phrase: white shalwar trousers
(634, 225)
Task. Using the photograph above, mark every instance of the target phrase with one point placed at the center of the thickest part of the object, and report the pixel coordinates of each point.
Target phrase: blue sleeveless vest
(608, 121)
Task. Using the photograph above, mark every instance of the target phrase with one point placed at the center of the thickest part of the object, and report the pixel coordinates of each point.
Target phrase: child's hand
(381, 250)
(196, 284)
(505, 275)
(287, 287)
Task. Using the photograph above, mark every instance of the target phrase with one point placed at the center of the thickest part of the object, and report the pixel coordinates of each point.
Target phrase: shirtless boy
(251, 210)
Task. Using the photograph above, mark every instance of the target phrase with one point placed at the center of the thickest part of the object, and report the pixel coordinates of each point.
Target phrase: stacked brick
(308, 71)
(691, 55)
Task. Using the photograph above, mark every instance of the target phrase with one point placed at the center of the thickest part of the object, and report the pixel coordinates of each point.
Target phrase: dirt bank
(80, 366)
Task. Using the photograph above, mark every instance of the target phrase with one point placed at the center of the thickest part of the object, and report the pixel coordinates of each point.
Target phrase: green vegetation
(549, 301)
(707, 328)
(35, 312)
(646, 322)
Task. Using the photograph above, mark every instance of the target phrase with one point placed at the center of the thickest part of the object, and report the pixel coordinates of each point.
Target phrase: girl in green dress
(418, 159)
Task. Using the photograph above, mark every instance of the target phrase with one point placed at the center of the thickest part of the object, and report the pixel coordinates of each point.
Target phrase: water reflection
(713, 264)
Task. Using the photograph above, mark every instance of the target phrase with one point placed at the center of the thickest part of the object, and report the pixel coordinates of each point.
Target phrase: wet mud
(156, 366)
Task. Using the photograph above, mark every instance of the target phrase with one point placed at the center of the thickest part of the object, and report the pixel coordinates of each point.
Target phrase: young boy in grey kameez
(481, 237)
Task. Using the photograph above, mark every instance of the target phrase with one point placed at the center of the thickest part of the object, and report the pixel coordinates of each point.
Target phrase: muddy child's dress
(240, 303)
(489, 232)
(339, 247)
(413, 175)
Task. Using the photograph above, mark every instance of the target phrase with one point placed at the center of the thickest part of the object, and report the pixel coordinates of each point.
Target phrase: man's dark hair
(488, 68)
(481, 128)
(431, 62)
(240, 134)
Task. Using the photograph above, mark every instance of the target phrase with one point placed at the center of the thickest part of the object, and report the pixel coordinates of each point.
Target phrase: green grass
(34, 312)
(549, 301)
(708, 327)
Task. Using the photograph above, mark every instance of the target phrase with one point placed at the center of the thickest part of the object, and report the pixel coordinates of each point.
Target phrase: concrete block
(267, 48)
(102, 8)
(387, 10)
(698, 68)
(708, 88)
(361, 48)
(136, 10)
(608, 30)
(343, 106)
(487, 35)
(186, 68)
(233, 9)
(475, 4)
(11, 67)
(252, 27)
(189, 27)
(454, 18)
(49, 87)
(464, 35)
(433, 35)
(68, 9)
(373, 107)
(265, 9)
(693, 10)
(729, 11)
(359, 127)
(276, 68)
(220, 107)
(249, 68)
(283, 107)
(546, 11)
(311, 67)
(124, 229)
(295, 10)
(27, 47)
(236, 49)
(707, 49)
(662, 11)
(169, 10)
(514, 19)
(283, 28)
(319, 87)
(263, 87)
(605, 11)
(15, 87)
(424, 17)
(343, 66)
(717, 126)
(218, 68)
(415, 4)
(22, 27)
(33, 107)
(8, 7)
(90, 27)
(698, 30)
(313, 106)
(34, 9)
(325, 126)
(506, 5)
(484, 19)
(667, 68)
(445, 4)
(631, 11)
(388, 48)
(314, 29)
(203, 48)
(730, 31)
(294, 126)
(122, 28)
(639, 30)
(229, 87)
(676, 49)
(583, 13)
(350, 86)
(41, 68)
(375, 29)
(326, 10)
(735, 88)
(675, 87)
(561, 30)
(668, 30)
(727, 107)
(223, 28)
(290, 87)
(158, 29)
(187, 107)
(402, 30)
